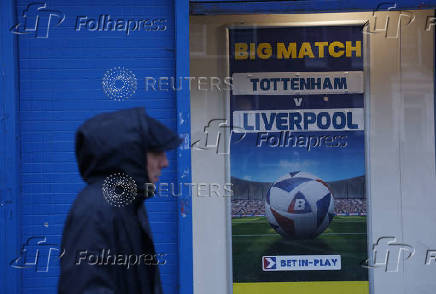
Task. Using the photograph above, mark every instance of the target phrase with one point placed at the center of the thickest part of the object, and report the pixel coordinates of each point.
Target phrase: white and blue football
(299, 206)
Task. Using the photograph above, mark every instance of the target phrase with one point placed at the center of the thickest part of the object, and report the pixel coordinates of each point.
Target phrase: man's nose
(164, 162)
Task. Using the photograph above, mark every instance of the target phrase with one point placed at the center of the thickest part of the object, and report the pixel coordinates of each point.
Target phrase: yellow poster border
(331, 287)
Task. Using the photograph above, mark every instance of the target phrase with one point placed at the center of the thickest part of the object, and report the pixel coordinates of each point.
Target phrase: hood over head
(118, 142)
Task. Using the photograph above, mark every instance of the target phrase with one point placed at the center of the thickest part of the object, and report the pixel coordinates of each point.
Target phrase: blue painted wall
(10, 214)
(60, 73)
(184, 153)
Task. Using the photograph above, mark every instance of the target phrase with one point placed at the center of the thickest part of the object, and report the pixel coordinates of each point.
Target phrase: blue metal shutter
(60, 71)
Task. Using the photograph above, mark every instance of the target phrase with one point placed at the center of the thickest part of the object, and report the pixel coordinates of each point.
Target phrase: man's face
(155, 163)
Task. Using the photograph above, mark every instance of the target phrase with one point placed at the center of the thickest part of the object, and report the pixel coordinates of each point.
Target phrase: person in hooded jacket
(118, 153)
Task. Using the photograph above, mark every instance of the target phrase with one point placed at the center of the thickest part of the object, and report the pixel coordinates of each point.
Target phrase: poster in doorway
(298, 164)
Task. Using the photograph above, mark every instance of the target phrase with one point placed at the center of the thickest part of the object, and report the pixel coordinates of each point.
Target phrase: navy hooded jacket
(103, 237)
